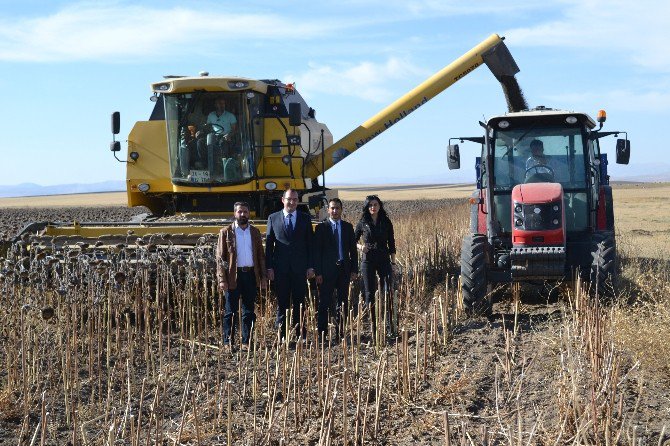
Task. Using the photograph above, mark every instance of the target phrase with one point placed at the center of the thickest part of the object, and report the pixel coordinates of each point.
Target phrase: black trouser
(246, 289)
(329, 304)
(291, 288)
(372, 267)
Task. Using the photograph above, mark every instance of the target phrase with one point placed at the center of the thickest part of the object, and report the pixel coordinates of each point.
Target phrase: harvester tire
(604, 267)
(473, 276)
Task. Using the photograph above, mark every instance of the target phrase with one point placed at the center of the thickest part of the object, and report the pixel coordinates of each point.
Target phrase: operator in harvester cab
(538, 167)
(222, 125)
(222, 121)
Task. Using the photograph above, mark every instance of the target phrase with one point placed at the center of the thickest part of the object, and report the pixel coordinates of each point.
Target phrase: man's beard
(242, 220)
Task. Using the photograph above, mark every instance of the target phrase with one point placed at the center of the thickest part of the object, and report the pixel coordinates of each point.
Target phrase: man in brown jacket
(240, 269)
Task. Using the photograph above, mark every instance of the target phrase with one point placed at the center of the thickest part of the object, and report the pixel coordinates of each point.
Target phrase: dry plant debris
(124, 347)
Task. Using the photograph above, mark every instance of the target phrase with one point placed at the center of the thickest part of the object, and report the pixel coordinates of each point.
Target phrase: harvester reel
(473, 276)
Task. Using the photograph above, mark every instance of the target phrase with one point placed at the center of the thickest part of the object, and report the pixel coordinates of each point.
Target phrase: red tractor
(543, 209)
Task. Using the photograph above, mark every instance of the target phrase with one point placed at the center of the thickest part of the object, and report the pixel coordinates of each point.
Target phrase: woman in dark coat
(374, 237)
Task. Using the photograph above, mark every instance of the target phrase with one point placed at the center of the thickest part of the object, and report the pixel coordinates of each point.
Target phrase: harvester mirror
(622, 151)
(115, 146)
(294, 114)
(116, 123)
(453, 157)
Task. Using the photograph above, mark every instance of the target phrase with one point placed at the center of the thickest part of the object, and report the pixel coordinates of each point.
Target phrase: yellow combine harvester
(212, 141)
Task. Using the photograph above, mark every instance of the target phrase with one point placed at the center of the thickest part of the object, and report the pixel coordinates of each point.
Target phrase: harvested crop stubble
(125, 349)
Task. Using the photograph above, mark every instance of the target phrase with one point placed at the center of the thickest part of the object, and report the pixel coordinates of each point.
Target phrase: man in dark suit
(288, 259)
(336, 264)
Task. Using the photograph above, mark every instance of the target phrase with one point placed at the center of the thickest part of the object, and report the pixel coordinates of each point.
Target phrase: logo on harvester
(390, 122)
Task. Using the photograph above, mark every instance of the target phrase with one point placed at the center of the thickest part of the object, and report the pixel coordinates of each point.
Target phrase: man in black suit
(288, 259)
(336, 264)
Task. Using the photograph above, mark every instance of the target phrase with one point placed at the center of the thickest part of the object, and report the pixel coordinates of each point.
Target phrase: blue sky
(65, 66)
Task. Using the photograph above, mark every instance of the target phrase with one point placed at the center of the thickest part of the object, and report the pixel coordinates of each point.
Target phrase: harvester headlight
(571, 119)
(537, 210)
(555, 207)
(503, 124)
(271, 185)
(162, 87)
(143, 187)
(238, 84)
(555, 221)
(518, 208)
(518, 222)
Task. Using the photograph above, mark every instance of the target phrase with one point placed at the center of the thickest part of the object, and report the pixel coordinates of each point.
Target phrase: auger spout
(491, 52)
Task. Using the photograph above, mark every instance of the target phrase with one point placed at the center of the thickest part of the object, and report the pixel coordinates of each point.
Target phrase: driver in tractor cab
(537, 164)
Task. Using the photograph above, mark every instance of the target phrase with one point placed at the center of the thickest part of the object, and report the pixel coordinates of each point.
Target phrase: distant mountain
(31, 189)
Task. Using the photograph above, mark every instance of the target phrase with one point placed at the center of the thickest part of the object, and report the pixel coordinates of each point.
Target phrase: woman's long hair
(365, 214)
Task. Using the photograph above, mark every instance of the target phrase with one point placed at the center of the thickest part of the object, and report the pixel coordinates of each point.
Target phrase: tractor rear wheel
(604, 273)
(473, 276)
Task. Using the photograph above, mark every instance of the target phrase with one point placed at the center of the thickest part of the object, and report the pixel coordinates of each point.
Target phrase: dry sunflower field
(103, 351)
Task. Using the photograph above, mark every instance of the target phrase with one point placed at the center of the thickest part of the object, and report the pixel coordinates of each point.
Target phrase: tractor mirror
(453, 157)
(622, 151)
(294, 114)
(116, 123)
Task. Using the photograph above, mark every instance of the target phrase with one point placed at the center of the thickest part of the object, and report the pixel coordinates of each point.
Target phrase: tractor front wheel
(473, 276)
(604, 272)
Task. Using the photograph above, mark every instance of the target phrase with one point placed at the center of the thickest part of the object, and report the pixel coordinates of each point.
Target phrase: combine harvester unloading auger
(189, 173)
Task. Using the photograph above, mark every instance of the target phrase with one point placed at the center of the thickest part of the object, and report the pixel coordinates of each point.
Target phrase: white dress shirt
(243, 246)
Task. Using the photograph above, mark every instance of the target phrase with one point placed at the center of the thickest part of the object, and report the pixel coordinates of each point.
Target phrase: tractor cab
(542, 194)
(543, 147)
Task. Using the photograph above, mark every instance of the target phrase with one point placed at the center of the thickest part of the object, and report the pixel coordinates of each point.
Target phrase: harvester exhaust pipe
(502, 65)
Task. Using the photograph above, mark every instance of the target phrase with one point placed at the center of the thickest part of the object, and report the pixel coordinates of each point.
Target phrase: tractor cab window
(549, 154)
(529, 154)
(209, 138)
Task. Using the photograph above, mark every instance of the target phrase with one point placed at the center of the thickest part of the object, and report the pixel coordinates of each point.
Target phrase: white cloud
(621, 100)
(632, 32)
(444, 8)
(87, 32)
(365, 80)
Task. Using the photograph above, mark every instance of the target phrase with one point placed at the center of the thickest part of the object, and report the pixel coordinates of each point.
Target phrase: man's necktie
(336, 234)
(289, 227)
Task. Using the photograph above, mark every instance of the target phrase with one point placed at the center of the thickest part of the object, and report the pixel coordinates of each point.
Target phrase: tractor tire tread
(473, 275)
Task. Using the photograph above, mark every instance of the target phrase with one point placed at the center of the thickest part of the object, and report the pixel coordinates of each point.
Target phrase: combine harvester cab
(213, 141)
(543, 206)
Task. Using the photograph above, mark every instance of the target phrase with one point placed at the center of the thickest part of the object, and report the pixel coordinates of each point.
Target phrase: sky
(66, 66)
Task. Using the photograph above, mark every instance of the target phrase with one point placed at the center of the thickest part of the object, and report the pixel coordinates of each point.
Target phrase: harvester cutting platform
(211, 141)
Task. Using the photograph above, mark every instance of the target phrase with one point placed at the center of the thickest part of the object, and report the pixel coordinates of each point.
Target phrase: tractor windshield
(553, 153)
(210, 138)
(545, 154)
